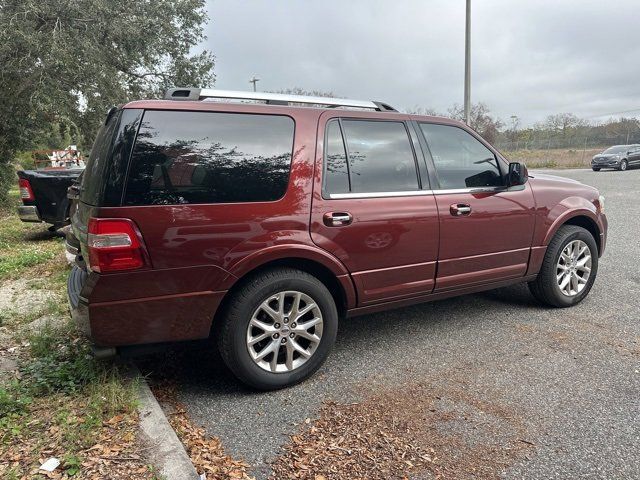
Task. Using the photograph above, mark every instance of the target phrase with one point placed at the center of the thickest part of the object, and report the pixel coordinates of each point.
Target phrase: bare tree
(481, 120)
(429, 112)
(309, 93)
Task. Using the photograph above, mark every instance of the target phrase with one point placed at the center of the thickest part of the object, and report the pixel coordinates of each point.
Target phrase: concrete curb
(165, 451)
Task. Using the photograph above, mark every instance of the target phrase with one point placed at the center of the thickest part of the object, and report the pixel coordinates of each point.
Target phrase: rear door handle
(459, 209)
(337, 219)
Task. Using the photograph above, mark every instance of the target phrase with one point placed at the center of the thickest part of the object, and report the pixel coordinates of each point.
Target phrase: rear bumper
(138, 321)
(29, 213)
(78, 305)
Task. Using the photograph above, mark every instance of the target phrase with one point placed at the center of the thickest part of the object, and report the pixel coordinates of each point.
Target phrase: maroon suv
(263, 224)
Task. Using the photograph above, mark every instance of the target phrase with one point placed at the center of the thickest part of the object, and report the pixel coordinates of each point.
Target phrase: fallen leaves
(59, 427)
(352, 441)
(206, 452)
(397, 434)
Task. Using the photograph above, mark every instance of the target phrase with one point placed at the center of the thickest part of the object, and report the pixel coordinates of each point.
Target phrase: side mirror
(518, 174)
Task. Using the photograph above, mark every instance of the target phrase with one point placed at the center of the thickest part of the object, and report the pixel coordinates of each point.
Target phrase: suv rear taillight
(114, 244)
(26, 193)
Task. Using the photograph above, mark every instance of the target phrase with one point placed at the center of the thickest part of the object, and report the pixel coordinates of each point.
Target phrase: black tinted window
(205, 157)
(336, 173)
(92, 179)
(461, 160)
(380, 157)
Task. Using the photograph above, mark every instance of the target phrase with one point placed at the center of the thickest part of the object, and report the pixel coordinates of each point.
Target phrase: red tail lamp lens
(114, 244)
(26, 193)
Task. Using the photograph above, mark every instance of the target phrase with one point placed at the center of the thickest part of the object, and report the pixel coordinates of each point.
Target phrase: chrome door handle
(337, 219)
(459, 209)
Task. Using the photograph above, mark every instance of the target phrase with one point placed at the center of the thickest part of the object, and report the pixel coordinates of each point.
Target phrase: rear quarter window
(92, 179)
(209, 157)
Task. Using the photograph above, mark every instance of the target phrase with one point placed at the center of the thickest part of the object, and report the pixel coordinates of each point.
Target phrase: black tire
(623, 165)
(232, 334)
(545, 287)
(595, 169)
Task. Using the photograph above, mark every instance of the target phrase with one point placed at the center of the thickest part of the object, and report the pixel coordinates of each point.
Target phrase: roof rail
(272, 98)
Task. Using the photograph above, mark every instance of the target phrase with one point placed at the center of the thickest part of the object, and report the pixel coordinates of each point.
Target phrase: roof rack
(272, 98)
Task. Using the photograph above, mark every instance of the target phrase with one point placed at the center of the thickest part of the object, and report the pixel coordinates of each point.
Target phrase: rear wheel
(278, 329)
(623, 165)
(569, 268)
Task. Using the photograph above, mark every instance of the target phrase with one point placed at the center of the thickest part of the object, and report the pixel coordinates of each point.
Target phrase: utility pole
(467, 66)
(254, 80)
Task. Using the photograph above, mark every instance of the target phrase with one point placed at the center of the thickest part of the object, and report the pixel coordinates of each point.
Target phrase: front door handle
(337, 219)
(459, 209)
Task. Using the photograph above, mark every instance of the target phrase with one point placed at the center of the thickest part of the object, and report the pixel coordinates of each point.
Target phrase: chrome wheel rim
(623, 166)
(574, 268)
(284, 331)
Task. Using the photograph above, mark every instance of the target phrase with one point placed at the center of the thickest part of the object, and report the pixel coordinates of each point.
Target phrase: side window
(461, 161)
(207, 157)
(336, 171)
(379, 158)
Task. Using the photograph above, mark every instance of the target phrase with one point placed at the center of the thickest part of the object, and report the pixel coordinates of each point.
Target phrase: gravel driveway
(496, 369)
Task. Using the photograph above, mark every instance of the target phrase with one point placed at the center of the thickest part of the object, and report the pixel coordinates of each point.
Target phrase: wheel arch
(335, 277)
(581, 218)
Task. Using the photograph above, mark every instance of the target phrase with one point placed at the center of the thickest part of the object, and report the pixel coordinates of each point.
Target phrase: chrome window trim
(447, 191)
(415, 193)
(408, 193)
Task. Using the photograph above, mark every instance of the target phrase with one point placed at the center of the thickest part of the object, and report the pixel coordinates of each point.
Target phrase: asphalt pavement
(570, 378)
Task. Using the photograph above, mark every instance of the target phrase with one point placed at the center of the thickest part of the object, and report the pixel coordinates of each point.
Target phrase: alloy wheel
(573, 268)
(284, 331)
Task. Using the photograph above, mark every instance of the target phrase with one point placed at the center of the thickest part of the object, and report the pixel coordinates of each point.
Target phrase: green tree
(66, 62)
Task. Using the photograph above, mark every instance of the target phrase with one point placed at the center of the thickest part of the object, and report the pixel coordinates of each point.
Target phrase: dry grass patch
(556, 158)
(80, 432)
(26, 248)
(56, 400)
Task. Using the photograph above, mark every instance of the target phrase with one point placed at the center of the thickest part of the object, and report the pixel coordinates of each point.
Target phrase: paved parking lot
(565, 383)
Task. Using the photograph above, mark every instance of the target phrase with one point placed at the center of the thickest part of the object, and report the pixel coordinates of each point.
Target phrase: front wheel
(278, 329)
(569, 268)
(595, 169)
(623, 165)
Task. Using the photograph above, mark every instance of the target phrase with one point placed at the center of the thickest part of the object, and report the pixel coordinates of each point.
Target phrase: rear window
(209, 157)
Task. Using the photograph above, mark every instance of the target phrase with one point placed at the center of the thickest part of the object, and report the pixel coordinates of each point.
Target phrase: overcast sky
(529, 58)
